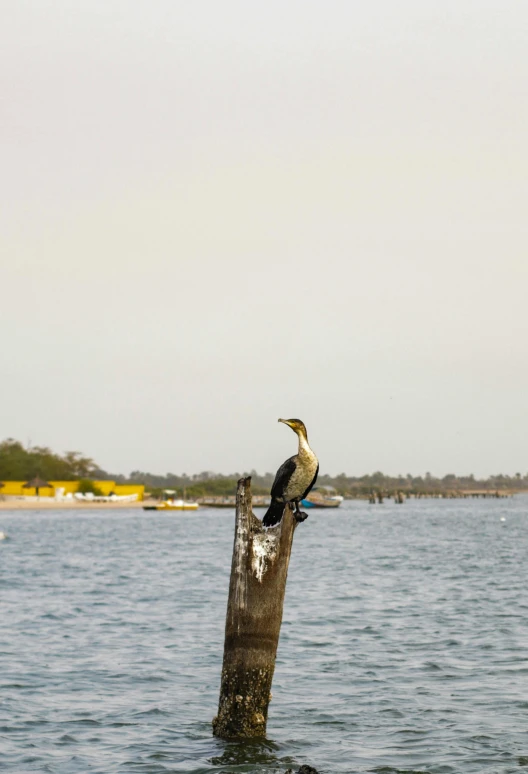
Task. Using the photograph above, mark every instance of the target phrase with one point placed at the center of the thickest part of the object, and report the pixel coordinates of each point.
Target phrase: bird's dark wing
(312, 484)
(284, 474)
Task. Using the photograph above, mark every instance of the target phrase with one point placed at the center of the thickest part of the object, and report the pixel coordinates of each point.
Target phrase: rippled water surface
(403, 649)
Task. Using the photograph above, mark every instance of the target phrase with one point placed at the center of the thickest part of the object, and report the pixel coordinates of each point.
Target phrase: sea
(403, 649)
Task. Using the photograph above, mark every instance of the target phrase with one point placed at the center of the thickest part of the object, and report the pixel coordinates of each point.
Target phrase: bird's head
(296, 425)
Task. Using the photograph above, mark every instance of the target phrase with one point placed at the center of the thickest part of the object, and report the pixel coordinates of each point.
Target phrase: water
(404, 645)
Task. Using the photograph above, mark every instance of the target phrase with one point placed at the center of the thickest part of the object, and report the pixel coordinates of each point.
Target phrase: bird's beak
(284, 421)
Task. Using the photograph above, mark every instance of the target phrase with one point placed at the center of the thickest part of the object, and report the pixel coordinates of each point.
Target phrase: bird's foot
(300, 516)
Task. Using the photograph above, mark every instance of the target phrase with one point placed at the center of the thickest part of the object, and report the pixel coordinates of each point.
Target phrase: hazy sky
(214, 214)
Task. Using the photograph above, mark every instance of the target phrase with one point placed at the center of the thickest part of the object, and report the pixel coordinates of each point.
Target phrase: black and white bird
(294, 478)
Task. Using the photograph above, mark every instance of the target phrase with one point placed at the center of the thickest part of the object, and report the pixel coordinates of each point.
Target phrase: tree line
(209, 483)
(18, 463)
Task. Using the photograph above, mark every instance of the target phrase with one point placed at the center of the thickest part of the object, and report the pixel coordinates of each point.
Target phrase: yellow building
(16, 489)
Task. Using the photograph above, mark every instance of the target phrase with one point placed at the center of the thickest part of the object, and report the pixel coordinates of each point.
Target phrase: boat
(170, 504)
(322, 497)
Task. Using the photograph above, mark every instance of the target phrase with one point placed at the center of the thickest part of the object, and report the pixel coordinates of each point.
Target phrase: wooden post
(254, 616)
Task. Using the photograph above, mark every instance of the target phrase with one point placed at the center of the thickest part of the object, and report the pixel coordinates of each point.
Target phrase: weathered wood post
(254, 616)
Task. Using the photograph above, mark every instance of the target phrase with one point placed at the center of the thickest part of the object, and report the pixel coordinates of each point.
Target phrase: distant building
(58, 489)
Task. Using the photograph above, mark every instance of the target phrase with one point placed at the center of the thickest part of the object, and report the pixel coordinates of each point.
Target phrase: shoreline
(72, 505)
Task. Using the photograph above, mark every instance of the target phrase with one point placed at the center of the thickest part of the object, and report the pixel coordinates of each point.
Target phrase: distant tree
(18, 463)
(87, 486)
(79, 465)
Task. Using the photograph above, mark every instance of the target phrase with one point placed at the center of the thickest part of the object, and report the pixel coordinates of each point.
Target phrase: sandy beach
(48, 504)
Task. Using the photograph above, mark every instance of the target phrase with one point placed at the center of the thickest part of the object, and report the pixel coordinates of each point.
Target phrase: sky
(213, 215)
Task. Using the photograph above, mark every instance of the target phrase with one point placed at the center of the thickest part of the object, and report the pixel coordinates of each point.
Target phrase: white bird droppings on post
(263, 553)
(239, 554)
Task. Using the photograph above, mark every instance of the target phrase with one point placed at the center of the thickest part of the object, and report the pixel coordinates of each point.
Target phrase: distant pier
(377, 496)
(229, 501)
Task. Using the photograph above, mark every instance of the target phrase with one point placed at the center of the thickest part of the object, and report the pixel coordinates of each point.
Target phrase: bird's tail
(273, 514)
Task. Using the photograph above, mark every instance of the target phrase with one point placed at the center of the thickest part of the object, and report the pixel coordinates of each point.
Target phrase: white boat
(322, 497)
(172, 505)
